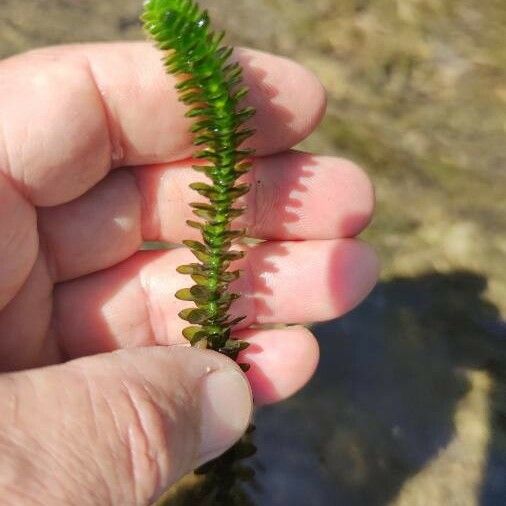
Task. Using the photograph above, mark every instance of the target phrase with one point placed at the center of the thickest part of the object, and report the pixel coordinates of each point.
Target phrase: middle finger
(294, 196)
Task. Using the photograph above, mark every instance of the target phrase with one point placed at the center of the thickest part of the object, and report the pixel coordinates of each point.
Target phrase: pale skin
(106, 405)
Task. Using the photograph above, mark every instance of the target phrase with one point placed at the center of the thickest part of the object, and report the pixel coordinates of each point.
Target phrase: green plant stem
(211, 88)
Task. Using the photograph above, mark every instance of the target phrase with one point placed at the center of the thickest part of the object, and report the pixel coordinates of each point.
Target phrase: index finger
(69, 114)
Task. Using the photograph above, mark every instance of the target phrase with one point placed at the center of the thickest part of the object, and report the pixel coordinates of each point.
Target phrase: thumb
(117, 428)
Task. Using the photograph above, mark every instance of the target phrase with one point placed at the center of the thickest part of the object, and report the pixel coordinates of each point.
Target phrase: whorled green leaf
(198, 337)
(199, 140)
(199, 111)
(230, 276)
(189, 332)
(242, 154)
(200, 206)
(240, 190)
(187, 84)
(234, 346)
(235, 321)
(245, 114)
(185, 294)
(205, 124)
(201, 293)
(191, 98)
(208, 170)
(236, 212)
(195, 246)
(203, 257)
(191, 269)
(202, 188)
(211, 86)
(234, 255)
(195, 224)
(243, 167)
(240, 93)
(193, 315)
(207, 154)
(200, 279)
(235, 234)
(242, 135)
(226, 300)
(203, 213)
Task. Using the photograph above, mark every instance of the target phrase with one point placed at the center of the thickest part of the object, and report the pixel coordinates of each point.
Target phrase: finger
(19, 241)
(95, 231)
(294, 196)
(117, 428)
(133, 304)
(281, 361)
(26, 340)
(70, 113)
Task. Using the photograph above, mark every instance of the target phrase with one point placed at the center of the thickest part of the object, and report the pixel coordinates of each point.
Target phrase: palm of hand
(95, 159)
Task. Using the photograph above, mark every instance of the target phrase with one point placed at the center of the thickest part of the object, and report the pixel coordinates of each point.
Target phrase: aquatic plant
(211, 86)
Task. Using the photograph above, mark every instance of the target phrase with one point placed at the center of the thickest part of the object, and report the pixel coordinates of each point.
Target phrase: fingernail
(226, 403)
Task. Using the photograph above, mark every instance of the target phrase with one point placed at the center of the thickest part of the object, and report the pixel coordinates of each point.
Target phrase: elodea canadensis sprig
(211, 86)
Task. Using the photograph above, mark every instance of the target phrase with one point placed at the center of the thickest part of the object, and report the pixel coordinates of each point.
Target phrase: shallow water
(409, 403)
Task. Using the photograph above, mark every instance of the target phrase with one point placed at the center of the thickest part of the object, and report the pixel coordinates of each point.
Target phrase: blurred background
(408, 407)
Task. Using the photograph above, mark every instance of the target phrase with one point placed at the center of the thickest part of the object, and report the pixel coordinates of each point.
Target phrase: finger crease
(20, 186)
(50, 258)
(117, 151)
(145, 210)
(144, 285)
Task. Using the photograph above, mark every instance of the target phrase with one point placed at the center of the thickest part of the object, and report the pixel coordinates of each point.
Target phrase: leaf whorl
(210, 86)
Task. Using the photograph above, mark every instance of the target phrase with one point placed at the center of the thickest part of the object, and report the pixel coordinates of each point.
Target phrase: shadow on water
(383, 402)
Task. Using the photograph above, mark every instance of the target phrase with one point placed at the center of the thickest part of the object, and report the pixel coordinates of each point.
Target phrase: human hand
(94, 160)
